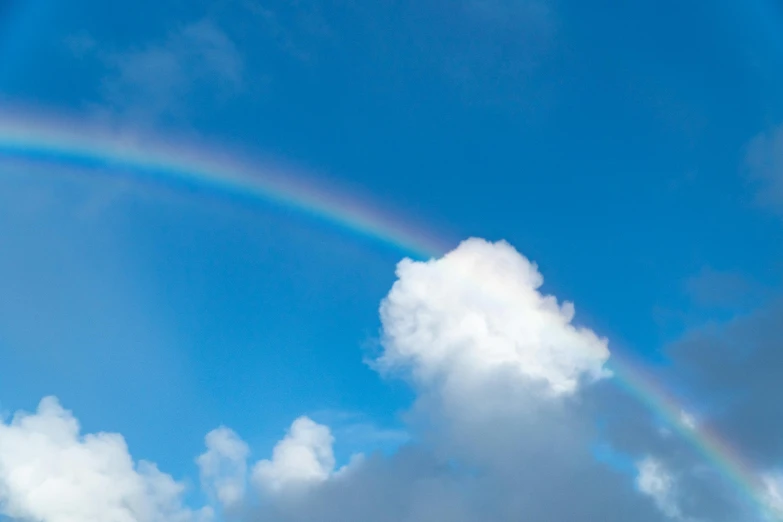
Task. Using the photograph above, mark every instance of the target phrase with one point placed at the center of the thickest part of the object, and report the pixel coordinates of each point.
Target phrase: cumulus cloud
(304, 457)
(504, 421)
(50, 472)
(493, 360)
(478, 311)
(655, 480)
(223, 466)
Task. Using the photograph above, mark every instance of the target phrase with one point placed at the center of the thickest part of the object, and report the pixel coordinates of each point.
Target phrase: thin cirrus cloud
(764, 164)
(154, 81)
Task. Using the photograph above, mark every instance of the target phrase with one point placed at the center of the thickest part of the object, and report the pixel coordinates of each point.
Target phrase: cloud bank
(512, 400)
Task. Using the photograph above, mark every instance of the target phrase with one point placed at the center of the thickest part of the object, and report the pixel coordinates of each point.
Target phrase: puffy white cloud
(303, 457)
(655, 480)
(49, 472)
(477, 311)
(223, 466)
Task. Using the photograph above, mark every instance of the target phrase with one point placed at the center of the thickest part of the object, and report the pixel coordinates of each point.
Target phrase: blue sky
(612, 144)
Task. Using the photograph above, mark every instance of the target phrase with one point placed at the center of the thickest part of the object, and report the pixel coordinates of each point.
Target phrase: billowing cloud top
(478, 310)
(224, 465)
(303, 457)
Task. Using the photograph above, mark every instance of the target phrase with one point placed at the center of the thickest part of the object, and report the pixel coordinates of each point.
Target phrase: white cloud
(49, 472)
(688, 420)
(304, 457)
(496, 365)
(477, 311)
(654, 480)
(773, 493)
(223, 466)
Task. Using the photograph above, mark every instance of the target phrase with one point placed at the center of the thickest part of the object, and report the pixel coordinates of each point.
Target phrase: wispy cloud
(158, 80)
(81, 44)
(764, 163)
(295, 29)
(712, 288)
(655, 480)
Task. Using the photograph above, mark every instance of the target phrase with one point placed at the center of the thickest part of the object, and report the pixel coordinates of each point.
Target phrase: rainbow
(213, 172)
(193, 168)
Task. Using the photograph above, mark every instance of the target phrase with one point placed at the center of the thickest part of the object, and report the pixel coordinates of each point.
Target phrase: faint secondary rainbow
(190, 167)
